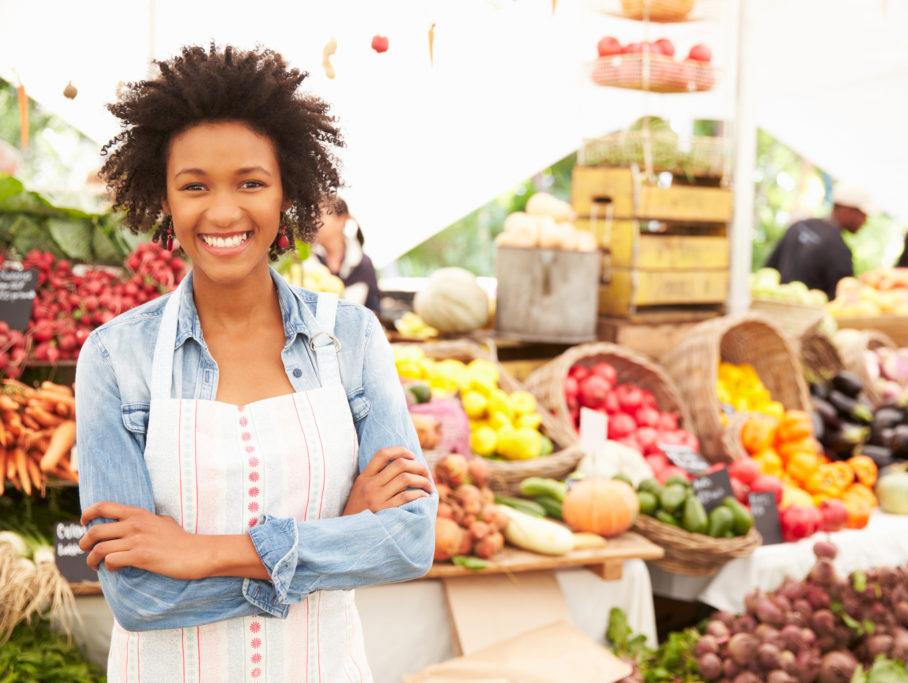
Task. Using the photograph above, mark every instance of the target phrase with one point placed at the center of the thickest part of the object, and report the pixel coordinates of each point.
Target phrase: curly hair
(254, 87)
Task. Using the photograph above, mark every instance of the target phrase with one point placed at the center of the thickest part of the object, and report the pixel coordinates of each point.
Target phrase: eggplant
(899, 442)
(819, 426)
(820, 390)
(827, 412)
(880, 455)
(888, 417)
(850, 408)
(882, 437)
(848, 383)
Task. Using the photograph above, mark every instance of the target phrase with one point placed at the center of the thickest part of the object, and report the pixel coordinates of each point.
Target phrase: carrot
(23, 116)
(31, 423)
(61, 443)
(7, 403)
(36, 477)
(22, 468)
(63, 472)
(64, 410)
(2, 469)
(2, 435)
(10, 466)
(59, 388)
(43, 417)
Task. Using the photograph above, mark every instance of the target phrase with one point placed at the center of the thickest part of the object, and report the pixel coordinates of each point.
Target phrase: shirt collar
(295, 312)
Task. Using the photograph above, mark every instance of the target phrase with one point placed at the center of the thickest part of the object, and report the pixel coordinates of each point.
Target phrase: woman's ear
(165, 206)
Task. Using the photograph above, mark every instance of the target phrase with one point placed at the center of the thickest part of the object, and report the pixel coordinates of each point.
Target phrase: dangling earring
(166, 233)
(283, 241)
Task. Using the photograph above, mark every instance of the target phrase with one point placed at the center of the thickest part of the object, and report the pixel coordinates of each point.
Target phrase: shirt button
(297, 373)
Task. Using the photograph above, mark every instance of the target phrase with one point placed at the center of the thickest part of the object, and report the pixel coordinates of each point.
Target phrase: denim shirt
(112, 407)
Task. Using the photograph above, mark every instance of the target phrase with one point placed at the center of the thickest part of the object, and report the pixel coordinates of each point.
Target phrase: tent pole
(745, 153)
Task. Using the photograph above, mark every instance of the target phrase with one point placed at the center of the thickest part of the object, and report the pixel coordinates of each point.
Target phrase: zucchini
(529, 507)
(551, 506)
(537, 535)
(540, 486)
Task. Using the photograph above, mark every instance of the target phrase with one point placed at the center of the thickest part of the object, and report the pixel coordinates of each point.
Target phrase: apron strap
(325, 345)
(162, 361)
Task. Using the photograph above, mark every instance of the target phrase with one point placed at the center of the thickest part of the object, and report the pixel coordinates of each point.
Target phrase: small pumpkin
(452, 302)
(598, 505)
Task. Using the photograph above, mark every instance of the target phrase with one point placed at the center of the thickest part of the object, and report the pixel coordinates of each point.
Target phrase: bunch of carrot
(37, 433)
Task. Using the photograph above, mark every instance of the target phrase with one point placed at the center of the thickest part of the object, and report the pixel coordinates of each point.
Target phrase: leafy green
(883, 671)
(37, 654)
(673, 661)
(469, 562)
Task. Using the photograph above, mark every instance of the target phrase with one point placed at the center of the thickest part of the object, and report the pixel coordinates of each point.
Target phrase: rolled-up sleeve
(112, 468)
(392, 545)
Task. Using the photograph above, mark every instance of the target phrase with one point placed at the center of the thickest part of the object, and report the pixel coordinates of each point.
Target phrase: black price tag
(713, 488)
(17, 294)
(766, 517)
(70, 557)
(685, 458)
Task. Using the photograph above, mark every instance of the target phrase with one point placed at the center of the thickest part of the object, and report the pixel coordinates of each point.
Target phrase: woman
(343, 255)
(246, 456)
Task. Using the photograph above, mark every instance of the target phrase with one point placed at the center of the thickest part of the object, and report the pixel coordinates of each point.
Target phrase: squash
(452, 301)
(536, 534)
(607, 507)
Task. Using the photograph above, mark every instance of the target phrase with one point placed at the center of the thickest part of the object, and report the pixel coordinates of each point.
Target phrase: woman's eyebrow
(190, 171)
(251, 169)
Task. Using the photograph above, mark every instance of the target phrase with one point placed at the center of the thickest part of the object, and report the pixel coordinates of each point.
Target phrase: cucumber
(528, 507)
(551, 506)
(539, 486)
(469, 562)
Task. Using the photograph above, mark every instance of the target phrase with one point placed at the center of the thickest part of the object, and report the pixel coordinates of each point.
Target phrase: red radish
(571, 390)
(647, 417)
(700, 53)
(665, 46)
(608, 46)
(631, 441)
(744, 470)
(579, 372)
(671, 471)
(621, 425)
(649, 400)
(741, 490)
(380, 43)
(648, 438)
(668, 422)
(611, 404)
(658, 461)
(629, 397)
(766, 484)
(593, 391)
(606, 372)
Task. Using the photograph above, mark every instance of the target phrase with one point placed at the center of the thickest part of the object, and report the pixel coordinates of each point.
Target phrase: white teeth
(225, 242)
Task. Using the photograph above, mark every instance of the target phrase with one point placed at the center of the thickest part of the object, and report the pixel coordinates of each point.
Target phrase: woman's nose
(224, 214)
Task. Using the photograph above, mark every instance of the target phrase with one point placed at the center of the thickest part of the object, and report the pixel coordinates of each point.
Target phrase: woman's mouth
(225, 244)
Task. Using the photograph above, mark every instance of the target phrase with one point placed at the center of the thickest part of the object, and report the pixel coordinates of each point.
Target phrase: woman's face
(225, 197)
(332, 226)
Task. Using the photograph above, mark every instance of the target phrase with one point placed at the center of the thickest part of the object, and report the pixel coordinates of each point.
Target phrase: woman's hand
(143, 540)
(392, 478)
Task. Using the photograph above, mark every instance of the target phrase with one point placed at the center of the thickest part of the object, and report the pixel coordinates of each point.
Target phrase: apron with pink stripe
(218, 468)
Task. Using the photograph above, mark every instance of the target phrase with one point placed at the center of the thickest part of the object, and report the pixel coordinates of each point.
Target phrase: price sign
(685, 458)
(766, 517)
(69, 556)
(712, 489)
(17, 294)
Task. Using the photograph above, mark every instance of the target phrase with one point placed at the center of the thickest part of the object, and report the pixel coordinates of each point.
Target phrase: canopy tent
(508, 92)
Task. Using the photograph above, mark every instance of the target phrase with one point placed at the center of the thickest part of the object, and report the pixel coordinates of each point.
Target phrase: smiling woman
(246, 454)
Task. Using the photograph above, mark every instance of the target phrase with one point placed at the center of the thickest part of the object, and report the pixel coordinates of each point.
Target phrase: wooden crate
(893, 326)
(622, 193)
(652, 339)
(634, 292)
(546, 295)
(676, 247)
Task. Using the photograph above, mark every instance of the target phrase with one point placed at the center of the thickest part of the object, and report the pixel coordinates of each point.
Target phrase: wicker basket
(507, 475)
(851, 345)
(694, 365)
(657, 74)
(820, 358)
(694, 554)
(731, 435)
(795, 320)
(657, 10)
(547, 382)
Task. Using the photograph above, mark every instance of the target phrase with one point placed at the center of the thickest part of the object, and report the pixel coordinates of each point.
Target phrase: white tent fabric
(508, 93)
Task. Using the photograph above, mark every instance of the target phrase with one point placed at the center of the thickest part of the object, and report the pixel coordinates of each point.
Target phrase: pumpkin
(452, 302)
(607, 507)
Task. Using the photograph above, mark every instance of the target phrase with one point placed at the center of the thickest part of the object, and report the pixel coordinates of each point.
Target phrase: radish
(647, 417)
(606, 372)
(593, 390)
(621, 425)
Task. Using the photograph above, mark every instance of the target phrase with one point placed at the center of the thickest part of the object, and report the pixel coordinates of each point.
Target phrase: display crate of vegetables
(875, 359)
(481, 409)
(769, 375)
(696, 542)
(643, 407)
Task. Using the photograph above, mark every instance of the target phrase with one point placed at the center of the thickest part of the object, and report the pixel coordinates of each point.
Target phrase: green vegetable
(470, 562)
(619, 634)
(551, 506)
(648, 502)
(672, 497)
(35, 652)
(679, 480)
(743, 520)
(626, 479)
(421, 392)
(539, 486)
(884, 670)
(672, 662)
(650, 486)
(721, 520)
(694, 518)
(529, 507)
(663, 516)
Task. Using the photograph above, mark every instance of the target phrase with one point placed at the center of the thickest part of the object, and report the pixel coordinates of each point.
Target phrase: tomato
(608, 46)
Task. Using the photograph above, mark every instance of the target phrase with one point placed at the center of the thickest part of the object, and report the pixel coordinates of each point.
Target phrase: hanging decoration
(327, 52)
(432, 43)
(70, 91)
(23, 116)
(379, 43)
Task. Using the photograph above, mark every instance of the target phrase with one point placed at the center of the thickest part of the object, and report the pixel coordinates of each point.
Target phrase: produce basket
(750, 338)
(731, 435)
(694, 554)
(657, 10)
(507, 475)
(626, 147)
(851, 345)
(819, 357)
(653, 72)
(547, 382)
(795, 320)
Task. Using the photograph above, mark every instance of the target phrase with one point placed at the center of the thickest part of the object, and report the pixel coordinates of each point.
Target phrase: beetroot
(730, 669)
(769, 613)
(791, 636)
(706, 645)
(901, 613)
(788, 662)
(837, 667)
(816, 596)
(823, 572)
(779, 676)
(768, 657)
(747, 677)
(808, 666)
(710, 666)
(744, 624)
(743, 648)
(823, 622)
(899, 650)
(879, 645)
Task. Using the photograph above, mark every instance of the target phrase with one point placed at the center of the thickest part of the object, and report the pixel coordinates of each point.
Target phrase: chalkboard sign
(713, 488)
(766, 517)
(17, 294)
(70, 557)
(685, 458)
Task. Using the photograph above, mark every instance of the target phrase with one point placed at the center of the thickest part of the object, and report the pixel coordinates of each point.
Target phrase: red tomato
(665, 46)
(744, 470)
(700, 53)
(608, 46)
(606, 372)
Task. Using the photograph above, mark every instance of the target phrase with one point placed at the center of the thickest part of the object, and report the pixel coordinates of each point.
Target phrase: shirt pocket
(360, 406)
(135, 417)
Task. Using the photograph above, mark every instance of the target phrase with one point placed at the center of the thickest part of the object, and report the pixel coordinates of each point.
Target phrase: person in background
(343, 255)
(813, 251)
(903, 259)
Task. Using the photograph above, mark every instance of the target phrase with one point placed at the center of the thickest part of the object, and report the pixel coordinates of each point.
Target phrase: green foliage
(37, 654)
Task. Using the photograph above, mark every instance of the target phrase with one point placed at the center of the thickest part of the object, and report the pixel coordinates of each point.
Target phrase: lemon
(499, 402)
(531, 421)
(483, 441)
(475, 404)
(409, 369)
(523, 402)
(519, 444)
(500, 421)
(485, 370)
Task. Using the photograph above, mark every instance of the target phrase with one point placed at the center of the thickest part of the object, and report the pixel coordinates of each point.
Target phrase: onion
(837, 667)
(718, 630)
(779, 676)
(706, 645)
(710, 666)
(768, 656)
(743, 648)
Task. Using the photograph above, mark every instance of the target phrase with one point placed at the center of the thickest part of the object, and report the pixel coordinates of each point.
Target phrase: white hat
(845, 194)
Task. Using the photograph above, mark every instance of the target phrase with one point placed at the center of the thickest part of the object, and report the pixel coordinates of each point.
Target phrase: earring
(166, 233)
(283, 241)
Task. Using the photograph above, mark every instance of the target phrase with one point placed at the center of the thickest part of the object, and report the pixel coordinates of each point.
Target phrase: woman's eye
(193, 187)
(252, 184)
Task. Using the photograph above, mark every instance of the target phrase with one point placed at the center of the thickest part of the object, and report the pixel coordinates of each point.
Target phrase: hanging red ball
(380, 43)
(283, 242)
(170, 243)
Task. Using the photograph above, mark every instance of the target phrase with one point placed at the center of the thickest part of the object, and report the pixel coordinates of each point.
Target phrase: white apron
(217, 468)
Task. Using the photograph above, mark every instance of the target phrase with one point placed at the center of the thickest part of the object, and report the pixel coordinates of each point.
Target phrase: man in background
(813, 251)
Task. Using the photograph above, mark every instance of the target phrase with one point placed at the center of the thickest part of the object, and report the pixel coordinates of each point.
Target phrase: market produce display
(547, 223)
(741, 390)
(892, 490)
(452, 302)
(313, 275)
(821, 628)
(412, 326)
(37, 433)
(652, 66)
(498, 424)
(766, 284)
(879, 292)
